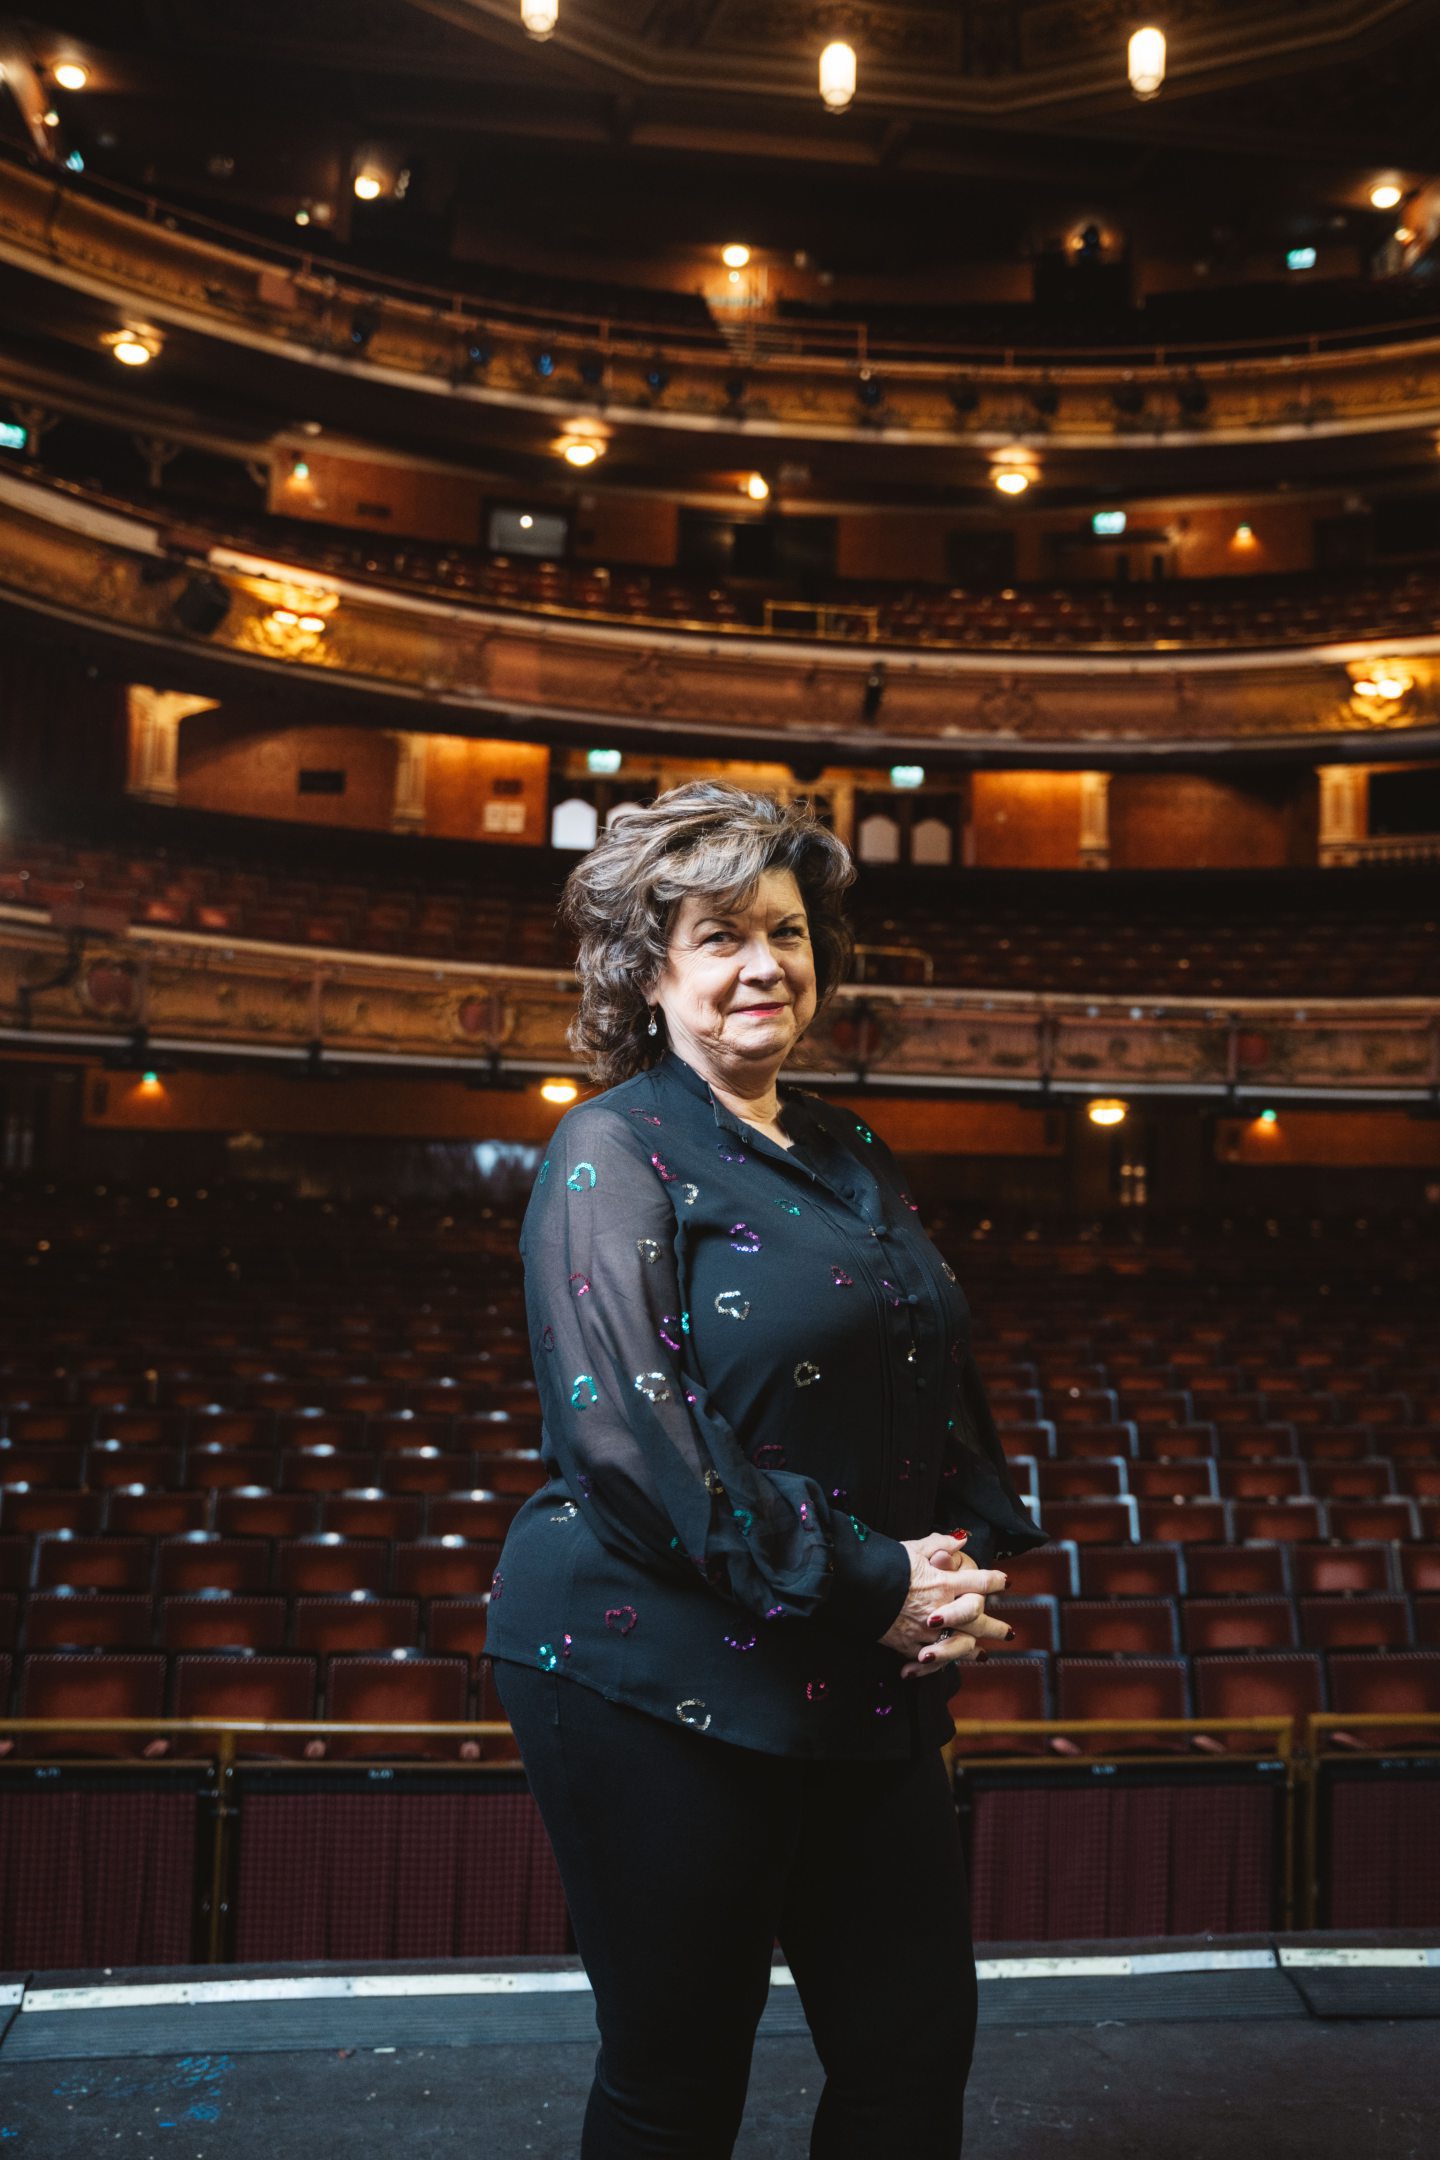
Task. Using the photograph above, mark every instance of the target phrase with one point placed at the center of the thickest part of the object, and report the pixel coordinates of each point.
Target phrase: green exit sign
(13, 437)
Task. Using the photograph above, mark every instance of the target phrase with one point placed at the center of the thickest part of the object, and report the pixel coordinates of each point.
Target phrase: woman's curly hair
(708, 837)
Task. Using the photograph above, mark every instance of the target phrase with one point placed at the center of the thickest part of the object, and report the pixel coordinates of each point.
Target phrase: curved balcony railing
(148, 992)
(818, 377)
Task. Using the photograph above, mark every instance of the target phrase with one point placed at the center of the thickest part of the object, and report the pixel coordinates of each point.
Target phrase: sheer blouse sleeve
(656, 1467)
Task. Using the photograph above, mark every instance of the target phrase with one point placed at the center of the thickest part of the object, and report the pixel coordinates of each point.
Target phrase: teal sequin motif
(582, 1177)
(583, 1393)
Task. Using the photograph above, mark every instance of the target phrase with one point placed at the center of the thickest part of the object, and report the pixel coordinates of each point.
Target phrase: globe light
(757, 487)
(837, 75)
(1384, 195)
(539, 17)
(1147, 61)
(70, 75)
(736, 256)
(1010, 481)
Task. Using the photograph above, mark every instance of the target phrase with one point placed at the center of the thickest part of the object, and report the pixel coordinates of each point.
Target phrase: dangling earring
(653, 1028)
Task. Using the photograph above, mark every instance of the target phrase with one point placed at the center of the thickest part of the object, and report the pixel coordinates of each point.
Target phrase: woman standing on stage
(726, 1630)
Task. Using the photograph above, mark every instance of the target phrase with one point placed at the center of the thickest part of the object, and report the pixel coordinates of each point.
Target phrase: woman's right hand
(940, 1575)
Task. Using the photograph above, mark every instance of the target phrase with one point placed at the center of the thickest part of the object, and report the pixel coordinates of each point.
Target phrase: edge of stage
(1325, 2043)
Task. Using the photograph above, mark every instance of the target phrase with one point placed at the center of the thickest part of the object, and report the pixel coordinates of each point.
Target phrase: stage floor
(1290, 2046)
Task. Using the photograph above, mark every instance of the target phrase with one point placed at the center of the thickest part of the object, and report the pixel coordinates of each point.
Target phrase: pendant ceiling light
(539, 17)
(1147, 62)
(837, 75)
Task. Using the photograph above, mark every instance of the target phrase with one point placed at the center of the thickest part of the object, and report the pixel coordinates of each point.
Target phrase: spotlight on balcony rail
(837, 76)
(71, 75)
(539, 17)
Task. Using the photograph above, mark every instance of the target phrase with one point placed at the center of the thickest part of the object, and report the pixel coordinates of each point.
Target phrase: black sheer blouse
(756, 1379)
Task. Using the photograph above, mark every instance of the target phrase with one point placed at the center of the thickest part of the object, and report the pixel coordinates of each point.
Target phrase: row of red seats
(399, 1688)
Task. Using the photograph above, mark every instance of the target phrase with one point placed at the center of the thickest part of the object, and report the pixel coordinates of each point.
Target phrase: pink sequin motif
(580, 1284)
(662, 1169)
(769, 1455)
(621, 1618)
(739, 1642)
(815, 1690)
(841, 1280)
(743, 1239)
(647, 1117)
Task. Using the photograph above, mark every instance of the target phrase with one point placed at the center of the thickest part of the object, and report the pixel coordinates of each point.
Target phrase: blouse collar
(679, 1069)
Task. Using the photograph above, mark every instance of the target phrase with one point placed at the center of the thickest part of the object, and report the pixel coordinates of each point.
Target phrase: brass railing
(216, 1749)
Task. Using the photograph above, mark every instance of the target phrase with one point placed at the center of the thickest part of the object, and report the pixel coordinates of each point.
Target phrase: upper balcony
(565, 358)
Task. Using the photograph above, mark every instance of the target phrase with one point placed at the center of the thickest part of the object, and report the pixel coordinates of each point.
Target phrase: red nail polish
(1009, 1634)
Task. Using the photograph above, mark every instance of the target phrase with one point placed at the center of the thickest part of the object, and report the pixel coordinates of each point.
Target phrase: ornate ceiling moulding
(569, 677)
(172, 992)
(428, 341)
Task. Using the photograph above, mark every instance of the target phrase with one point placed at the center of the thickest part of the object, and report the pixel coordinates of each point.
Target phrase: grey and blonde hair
(707, 837)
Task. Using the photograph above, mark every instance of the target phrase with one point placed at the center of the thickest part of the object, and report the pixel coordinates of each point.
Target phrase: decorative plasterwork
(732, 691)
(200, 993)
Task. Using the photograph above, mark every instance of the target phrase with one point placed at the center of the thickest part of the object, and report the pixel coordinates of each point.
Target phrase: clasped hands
(936, 1603)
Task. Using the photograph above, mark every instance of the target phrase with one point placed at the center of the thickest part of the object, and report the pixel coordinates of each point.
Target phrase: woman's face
(738, 986)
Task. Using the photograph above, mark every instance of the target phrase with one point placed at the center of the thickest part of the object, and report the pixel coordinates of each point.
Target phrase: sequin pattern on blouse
(756, 1380)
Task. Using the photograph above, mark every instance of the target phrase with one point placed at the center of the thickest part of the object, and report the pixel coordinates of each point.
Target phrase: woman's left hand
(961, 1627)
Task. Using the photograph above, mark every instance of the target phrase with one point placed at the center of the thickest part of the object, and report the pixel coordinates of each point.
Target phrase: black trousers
(684, 1858)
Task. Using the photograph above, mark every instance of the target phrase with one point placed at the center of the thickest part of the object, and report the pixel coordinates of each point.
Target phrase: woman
(765, 1545)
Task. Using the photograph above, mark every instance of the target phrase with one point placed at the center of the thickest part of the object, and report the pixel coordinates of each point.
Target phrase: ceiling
(981, 131)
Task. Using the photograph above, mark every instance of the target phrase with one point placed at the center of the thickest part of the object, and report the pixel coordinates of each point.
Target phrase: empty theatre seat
(1266, 1684)
(399, 1689)
(1132, 1687)
(329, 1565)
(1355, 1623)
(447, 1567)
(87, 1619)
(1131, 1571)
(1129, 1627)
(1015, 1686)
(94, 1563)
(1342, 1570)
(27, 1511)
(1248, 1571)
(222, 1620)
(91, 1684)
(201, 1561)
(1402, 1683)
(326, 1470)
(323, 1625)
(137, 1512)
(249, 1512)
(1238, 1623)
(245, 1685)
(373, 1514)
(455, 1627)
(1051, 1570)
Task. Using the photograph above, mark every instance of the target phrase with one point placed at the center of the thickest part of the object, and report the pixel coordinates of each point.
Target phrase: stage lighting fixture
(1146, 61)
(477, 357)
(539, 17)
(736, 256)
(1384, 195)
(837, 75)
(1011, 481)
(757, 487)
(657, 377)
(135, 346)
(545, 362)
(363, 325)
(70, 75)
